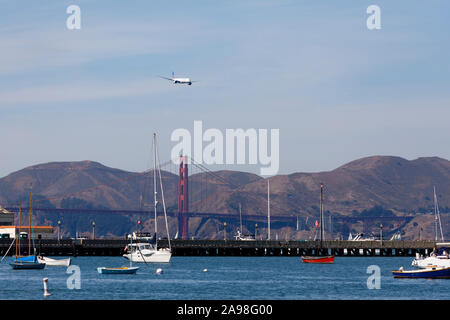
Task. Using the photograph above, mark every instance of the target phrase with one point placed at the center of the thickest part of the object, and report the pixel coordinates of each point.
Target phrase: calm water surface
(242, 278)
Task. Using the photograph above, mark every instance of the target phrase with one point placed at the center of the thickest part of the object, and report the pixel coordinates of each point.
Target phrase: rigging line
(436, 205)
(162, 196)
(206, 170)
(14, 240)
(227, 182)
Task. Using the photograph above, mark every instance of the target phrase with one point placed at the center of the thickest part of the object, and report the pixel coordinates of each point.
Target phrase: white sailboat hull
(54, 262)
(150, 256)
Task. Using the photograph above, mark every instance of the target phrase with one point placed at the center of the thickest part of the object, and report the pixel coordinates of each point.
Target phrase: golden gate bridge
(186, 197)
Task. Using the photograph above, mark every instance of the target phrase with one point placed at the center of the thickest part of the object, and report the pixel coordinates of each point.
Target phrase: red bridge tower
(183, 199)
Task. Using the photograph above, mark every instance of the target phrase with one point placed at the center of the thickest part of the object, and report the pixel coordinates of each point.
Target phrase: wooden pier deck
(115, 247)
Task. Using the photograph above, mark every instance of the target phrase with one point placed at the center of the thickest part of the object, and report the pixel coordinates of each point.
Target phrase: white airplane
(179, 80)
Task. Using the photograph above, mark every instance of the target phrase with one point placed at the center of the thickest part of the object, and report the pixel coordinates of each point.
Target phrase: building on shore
(6, 217)
(11, 232)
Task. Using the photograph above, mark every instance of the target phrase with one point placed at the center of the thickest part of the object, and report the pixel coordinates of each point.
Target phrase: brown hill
(91, 181)
(394, 183)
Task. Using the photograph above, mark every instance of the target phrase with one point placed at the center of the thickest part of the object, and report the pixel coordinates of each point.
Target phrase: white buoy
(205, 270)
(46, 293)
(159, 271)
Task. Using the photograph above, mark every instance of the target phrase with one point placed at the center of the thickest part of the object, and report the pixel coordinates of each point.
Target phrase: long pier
(115, 247)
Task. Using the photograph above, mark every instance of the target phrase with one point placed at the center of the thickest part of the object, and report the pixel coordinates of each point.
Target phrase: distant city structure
(9, 230)
(43, 232)
(6, 217)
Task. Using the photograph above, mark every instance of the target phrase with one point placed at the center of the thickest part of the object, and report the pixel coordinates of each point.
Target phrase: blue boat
(26, 259)
(428, 273)
(27, 265)
(30, 261)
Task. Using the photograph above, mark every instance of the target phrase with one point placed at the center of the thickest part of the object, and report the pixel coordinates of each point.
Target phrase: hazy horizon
(212, 167)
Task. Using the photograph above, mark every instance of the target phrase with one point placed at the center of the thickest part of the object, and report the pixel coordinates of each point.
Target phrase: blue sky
(336, 90)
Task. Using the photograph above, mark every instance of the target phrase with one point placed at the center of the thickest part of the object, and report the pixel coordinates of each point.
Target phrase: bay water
(224, 278)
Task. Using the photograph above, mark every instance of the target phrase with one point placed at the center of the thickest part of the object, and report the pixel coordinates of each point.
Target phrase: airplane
(179, 80)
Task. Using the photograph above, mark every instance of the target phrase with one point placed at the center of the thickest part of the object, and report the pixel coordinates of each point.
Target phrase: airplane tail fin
(173, 75)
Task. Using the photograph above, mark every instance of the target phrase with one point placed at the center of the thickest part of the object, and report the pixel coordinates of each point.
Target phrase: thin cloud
(81, 92)
(27, 49)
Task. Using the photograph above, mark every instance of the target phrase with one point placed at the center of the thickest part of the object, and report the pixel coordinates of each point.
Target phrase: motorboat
(146, 252)
(439, 258)
(360, 237)
(244, 237)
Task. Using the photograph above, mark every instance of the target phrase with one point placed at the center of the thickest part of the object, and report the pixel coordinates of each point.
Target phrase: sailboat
(29, 261)
(440, 256)
(147, 251)
(121, 270)
(320, 259)
(239, 235)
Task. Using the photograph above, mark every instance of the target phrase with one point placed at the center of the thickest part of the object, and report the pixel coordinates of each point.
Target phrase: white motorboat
(438, 259)
(147, 253)
(54, 262)
(360, 237)
(244, 237)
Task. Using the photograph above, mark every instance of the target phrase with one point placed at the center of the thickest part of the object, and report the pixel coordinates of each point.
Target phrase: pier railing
(115, 247)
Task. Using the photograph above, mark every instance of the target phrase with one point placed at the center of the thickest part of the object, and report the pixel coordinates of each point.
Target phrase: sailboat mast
(131, 248)
(155, 202)
(29, 226)
(240, 216)
(321, 213)
(268, 209)
(18, 240)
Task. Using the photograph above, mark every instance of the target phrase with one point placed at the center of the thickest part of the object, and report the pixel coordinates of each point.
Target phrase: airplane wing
(166, 78)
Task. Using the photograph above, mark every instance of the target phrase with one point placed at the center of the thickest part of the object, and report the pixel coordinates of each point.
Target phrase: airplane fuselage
(182, 81)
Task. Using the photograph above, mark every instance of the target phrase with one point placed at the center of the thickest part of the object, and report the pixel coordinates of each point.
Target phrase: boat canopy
(442, 249)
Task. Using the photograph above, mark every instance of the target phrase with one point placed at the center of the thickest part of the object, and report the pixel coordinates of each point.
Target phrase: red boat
(317, 259)
(325, 259)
